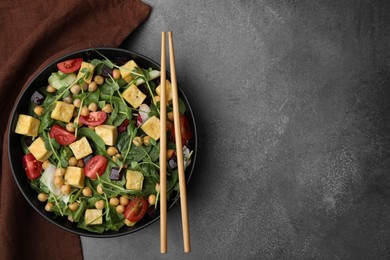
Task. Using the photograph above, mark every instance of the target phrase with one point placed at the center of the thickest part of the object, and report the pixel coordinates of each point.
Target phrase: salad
(91, 142)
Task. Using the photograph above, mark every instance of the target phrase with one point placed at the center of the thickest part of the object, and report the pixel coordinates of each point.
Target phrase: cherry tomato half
(186, 133)
(136, 209)
(94, 118)
(96, 166)
(32, 167)
(62, 136)
(70, 66)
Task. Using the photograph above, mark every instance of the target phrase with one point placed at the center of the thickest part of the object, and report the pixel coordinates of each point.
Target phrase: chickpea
(99, 189)
(59, 172)
(92, 86)
(45, 164)
(72, 161)
(137, 141)
(170, 116)
(39, 110)
(77, 102)
(116, 74)
(129, 223)
(75, 89)
(76, 121)
(152, 199)
(107, 108)
(170, 153)
(84, 111)
(42, 197)
(74, 206)
(111, 151)
(68, 99)
(85, 86)
(49, 207)
(87, 192)
(66, 189)
(120, 209)
(114, 201)
(146, 140)
(51, 89)
(58, 181)
(99, 204)
(157, 99)
(70, 127)
(80, 163)
(93, 107)
(99, 79)
(123, 200)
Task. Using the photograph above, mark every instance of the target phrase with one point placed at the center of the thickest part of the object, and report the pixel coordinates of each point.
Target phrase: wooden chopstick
(163, 150)
(179, 150)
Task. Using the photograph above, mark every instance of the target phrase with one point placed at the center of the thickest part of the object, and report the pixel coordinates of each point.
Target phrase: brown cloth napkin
(34, 33)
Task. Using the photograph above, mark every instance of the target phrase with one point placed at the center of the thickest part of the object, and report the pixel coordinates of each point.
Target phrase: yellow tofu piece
(108, 133)
(152, 127)
(134, 96)
(126, 70)
(168, 90)
(81, 148)
(74, 176)
(86, 72)
(93, 216)
(38, 149)
(62, 112)
(27, 125)
(134, 180)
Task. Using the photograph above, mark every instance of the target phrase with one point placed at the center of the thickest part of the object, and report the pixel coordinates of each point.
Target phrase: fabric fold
(34, 34)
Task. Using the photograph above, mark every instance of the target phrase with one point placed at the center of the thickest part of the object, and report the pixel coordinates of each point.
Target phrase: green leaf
(46, 121)
(94, 139)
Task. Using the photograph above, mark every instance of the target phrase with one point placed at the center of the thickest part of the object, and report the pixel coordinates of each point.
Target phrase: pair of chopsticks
(163, 149)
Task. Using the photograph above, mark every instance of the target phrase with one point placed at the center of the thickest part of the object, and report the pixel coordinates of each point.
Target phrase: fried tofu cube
(134, 180)
(134, 96)
(152, 127)
(74, 176)
(168, 90)
(38, 149)
(62, 112)
(126, 70)
(93, 216)
(108, 133)
(81, 148)
(86, 72)
(27, 125)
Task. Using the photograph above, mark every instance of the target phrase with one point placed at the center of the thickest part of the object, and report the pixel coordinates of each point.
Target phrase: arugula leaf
(46, 121)
(94, 139)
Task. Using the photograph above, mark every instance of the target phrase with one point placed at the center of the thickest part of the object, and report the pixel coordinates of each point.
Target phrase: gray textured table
(291, 100)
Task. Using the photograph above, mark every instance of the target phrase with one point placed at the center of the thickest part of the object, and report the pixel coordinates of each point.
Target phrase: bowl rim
(22, 93)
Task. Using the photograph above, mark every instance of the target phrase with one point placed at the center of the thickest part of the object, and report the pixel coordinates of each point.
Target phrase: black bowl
(16, 153)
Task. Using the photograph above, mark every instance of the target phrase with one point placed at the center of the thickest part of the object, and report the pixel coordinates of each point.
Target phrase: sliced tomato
(70, 66)
(136, 209)
(185, 129)
(96, 166)
(94, 118)
(62, 136)
(32, 167)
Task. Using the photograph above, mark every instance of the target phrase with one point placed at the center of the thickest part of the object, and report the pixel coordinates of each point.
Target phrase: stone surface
(291, 100)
